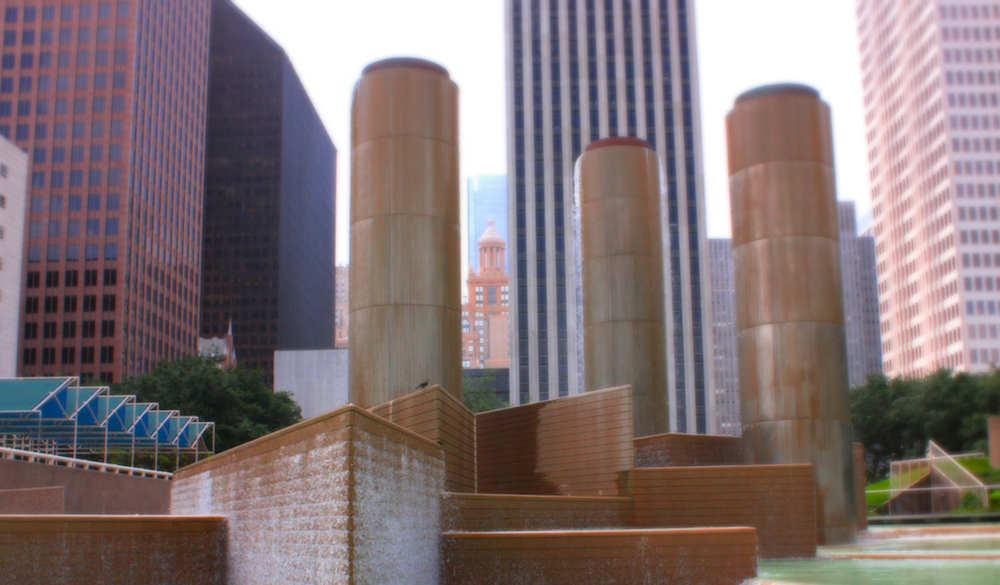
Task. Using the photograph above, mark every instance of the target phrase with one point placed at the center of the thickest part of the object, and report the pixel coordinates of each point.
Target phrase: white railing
(47, 459)
(957, 474)
(903, 475)
(891, 493)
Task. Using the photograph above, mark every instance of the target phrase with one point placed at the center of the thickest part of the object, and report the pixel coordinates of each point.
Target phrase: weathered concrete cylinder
(993, 430)
(789, 305)
(624, 334)
(405, 302)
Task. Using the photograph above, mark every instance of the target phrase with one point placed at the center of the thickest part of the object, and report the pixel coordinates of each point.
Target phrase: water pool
(879, 572)
(968, 559)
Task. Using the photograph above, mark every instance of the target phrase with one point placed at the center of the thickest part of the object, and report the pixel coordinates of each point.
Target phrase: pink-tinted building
(932, 112)
(108, 99)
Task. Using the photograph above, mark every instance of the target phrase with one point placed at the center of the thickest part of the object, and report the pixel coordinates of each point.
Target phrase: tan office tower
(624, 333)
(933, 124)
(405, 303)
(789, 303)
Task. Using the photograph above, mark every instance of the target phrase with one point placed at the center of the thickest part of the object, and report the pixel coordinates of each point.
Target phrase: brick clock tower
(484, 316)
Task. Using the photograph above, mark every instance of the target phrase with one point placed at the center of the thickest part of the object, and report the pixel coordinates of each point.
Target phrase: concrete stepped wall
(576, 446)
(45, 500)
(345, 497)
(492, 512)
(442, 418)
(707, 556)
(112, 550)
(88, 491)
(685, 450)
(778, 500)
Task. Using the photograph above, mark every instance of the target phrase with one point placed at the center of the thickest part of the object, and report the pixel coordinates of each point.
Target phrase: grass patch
(980, 467)
(876, 500)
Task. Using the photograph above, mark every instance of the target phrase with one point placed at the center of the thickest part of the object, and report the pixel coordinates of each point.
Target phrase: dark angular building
(268, 233)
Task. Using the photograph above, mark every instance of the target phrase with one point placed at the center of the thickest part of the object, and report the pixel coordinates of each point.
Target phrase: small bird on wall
(422, 386)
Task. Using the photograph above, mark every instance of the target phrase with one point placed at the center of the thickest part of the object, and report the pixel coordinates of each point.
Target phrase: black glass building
(268, 233)
(577, 71)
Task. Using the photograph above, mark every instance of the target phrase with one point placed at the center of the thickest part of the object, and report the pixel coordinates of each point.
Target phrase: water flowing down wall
(346, 497)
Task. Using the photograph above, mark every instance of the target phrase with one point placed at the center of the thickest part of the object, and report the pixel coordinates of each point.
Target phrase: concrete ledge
(778, 500)
(349, 415)
(85, 491)
(43, 500)
(497, 512)
(707, 556)
(437, 415)
(113, 550)
(574, 446)
(682, 450)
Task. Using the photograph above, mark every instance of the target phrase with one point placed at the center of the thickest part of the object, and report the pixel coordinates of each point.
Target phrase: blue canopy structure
(60, 417)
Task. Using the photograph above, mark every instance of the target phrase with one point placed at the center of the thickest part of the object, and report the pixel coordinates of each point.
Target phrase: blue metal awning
(62, 417)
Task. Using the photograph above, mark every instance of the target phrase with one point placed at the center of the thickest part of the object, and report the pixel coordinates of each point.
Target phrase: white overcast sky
(741, 44)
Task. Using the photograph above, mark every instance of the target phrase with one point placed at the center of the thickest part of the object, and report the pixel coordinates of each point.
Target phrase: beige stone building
(484, 316)
(13, 194)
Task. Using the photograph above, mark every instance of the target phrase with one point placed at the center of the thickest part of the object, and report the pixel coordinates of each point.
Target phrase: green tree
(895, 418)
(235, 399)
(478, 394)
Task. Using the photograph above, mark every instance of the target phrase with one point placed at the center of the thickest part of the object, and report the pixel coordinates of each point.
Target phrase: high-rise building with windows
(13, 189)
(861, 324)
(487, 202)
(108, 100)
(725, 360)
(930, 73)
(577, 71)
(268, 241)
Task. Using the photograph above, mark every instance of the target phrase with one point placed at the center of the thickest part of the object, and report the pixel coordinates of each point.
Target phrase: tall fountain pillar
(405, 302)
(624, 333)
(790, 315)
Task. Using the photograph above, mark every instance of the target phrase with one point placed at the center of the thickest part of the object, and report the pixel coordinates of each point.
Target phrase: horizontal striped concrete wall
(488, 512)
(112, 550)
(345, 497)
(579, 445)
(88, 491)
(778, 500)
(685, 450)
(442, 418)
(706, 556)
(46, 500)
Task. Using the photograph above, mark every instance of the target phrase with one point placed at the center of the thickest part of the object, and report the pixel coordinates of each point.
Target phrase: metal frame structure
(57, 416)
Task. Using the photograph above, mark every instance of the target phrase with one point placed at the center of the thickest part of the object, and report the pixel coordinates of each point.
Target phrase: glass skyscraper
(577, 71)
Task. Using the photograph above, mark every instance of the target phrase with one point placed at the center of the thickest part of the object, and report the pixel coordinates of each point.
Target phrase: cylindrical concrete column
(624, 334)
(789, 303)
(993, 433)
(405, 302)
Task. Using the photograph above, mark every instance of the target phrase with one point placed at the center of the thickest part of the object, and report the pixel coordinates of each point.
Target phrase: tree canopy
(236, 399)
(478, 394)
(895, 417)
